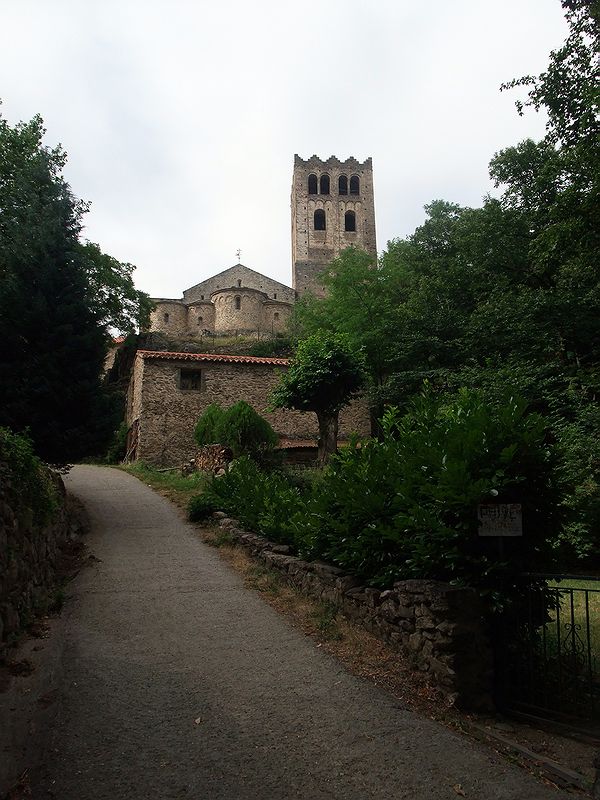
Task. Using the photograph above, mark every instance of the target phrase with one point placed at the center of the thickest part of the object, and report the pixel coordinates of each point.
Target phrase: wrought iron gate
(548, 648)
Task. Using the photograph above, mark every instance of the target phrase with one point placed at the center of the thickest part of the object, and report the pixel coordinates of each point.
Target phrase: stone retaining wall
(29, 555)
(438, 626)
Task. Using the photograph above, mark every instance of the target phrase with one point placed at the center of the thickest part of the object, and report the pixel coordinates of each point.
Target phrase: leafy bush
(244, 431)
(201, 507)
(30, 480)
(208, 427)
(406, 506)
(118, 447)
(278, 347)
(567, 400)
(263, 501)
(238, 427)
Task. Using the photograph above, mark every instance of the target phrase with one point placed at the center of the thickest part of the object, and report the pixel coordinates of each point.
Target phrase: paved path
(162, 633)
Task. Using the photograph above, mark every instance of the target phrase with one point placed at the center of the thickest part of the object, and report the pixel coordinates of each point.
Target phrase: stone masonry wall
(275, 316)
(28, 557)
(246, 318)
(167, 414)
(247, 277)
(200, 318)
(438, 626)
(169, 316)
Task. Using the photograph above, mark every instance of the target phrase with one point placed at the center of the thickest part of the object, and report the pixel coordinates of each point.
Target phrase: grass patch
(220, 538)
(170, 483)
(264, 580)
(585, 611)
(325, 617)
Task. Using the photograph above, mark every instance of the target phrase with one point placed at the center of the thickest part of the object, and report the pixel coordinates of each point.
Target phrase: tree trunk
(328, 433)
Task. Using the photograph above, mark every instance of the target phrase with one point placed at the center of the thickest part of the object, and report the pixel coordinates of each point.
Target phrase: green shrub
(264, 502)
(31, 481)
(238, 427)
(406, 506)
(118, 447)
(208, 427)
(278, 347)
(245, 432)
(201, 507)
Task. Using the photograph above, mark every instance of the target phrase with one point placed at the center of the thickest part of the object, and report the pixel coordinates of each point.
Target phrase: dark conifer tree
(52, 345)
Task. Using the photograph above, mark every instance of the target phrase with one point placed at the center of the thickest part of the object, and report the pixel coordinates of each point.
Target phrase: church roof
(236, 267)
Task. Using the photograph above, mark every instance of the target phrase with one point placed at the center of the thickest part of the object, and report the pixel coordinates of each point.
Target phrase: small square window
(190, 379)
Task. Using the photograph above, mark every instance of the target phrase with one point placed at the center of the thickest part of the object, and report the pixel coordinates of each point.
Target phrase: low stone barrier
(438, 626)
(29, 555)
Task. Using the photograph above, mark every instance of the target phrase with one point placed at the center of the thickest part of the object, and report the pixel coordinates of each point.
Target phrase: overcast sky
(181, 119)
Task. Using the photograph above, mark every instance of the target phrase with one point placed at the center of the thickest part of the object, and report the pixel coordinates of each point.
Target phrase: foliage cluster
(59, 300)
(30, 480)
(506, 295)
(117, 449)
(239, 427)
(278, 347)
(405, 505)
(325, 373)
(262, 500)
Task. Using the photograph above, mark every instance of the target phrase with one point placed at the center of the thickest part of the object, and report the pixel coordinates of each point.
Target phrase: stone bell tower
(333, 208)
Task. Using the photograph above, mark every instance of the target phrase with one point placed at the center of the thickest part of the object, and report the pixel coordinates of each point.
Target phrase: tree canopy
(323, 377)
(58, 300)
(506, 295)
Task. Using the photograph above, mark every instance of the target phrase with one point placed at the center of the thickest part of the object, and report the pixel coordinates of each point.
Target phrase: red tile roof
(164, 356)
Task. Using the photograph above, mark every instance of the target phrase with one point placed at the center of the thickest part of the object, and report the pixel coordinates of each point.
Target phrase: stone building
(332, 208)
(235, 301)
(169, 391)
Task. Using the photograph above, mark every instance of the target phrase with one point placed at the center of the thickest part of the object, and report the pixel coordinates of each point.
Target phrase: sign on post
(500, 519)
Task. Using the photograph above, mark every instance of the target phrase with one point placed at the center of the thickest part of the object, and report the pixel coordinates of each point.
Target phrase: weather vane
(238, 253)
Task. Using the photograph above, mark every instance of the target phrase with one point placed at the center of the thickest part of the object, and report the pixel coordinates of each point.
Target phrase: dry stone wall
(438, 626)
(29, 555)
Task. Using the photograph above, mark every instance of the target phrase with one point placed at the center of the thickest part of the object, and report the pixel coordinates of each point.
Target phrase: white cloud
(181, 119)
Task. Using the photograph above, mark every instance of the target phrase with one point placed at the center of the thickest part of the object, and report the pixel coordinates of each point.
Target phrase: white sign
(500, 519)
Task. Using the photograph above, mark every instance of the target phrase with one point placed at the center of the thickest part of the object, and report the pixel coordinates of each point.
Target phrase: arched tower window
(354, 185)
(200, 320)
(276, 315)
(324, 187)
(320, 220)
(238, 303)
(165, 317)
(239, 283)
(312, 184)
(343, 184)
(349, 221)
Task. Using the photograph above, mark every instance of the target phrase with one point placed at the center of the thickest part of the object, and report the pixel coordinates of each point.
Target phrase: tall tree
(53, 314)
(323, 377)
